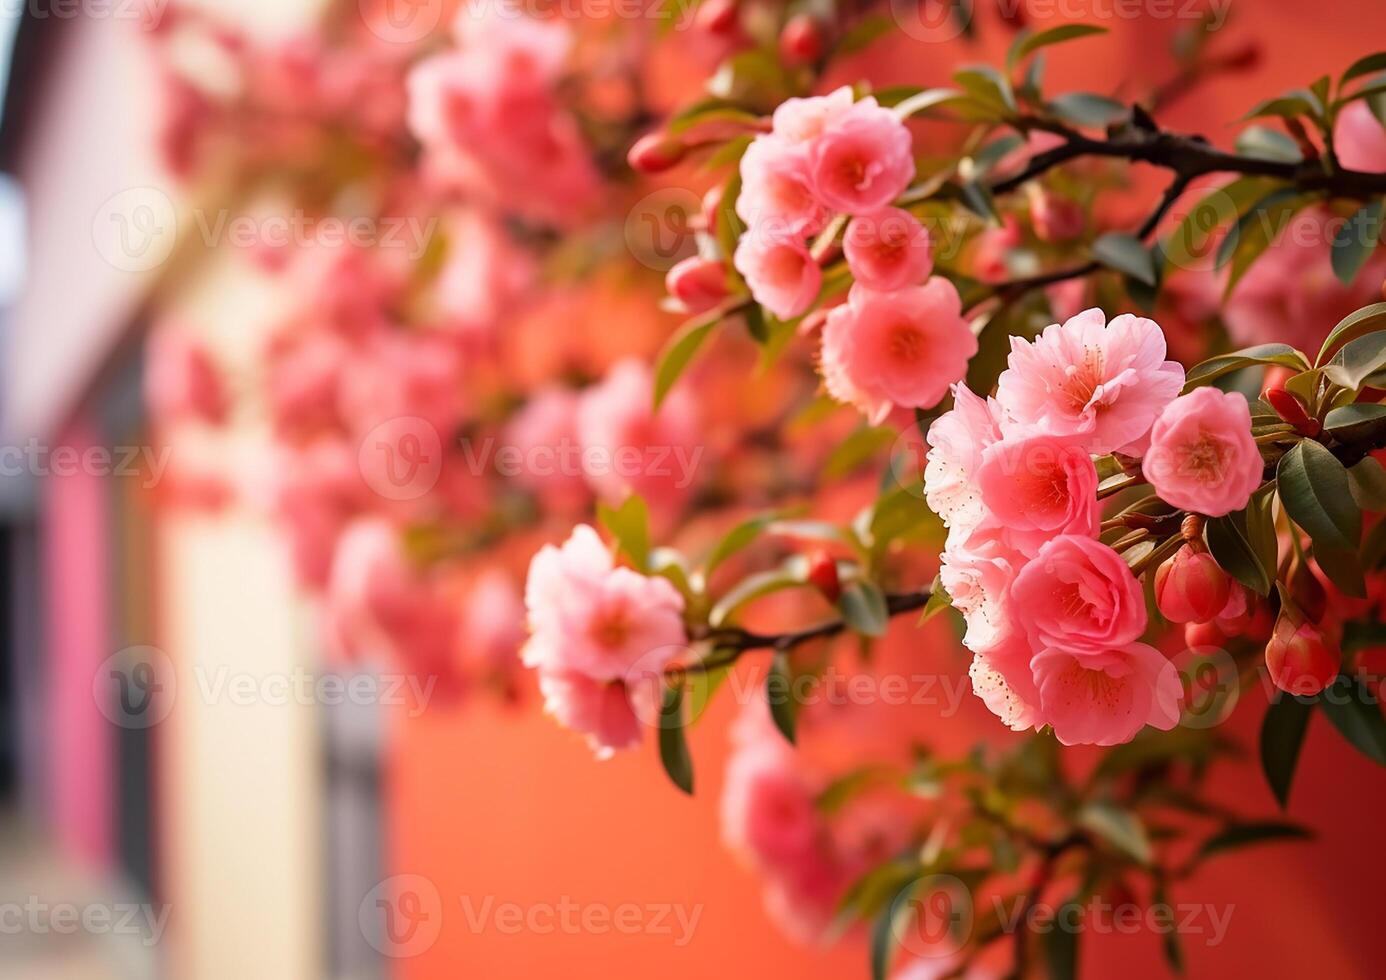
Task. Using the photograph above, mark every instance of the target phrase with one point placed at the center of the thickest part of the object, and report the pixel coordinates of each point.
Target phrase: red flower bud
(717, 16)
(712, 203)
(698, 283)
(1190, 587)
(802, 41)
(654, 153)
(822, 572)
(1300, 658)
(1202, 635)
(1289, 409)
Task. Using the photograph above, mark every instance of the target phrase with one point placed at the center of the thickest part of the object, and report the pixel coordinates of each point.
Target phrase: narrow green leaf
(1119, 827)
(1354, 711)
(1229, 542)
(1356, 423)
(736, 539)
(1026, 43)
(1173, 949)
(1356, 241)
(931, 98)
(702, 687)
(779, 694)
(1238, 835)
(1282, 735)
(1355, 324)
(939, 600)
(1364, 66)
(1256, 230)
(985, 83)
(629, 524)
(673, 747)
(1265, 143)
(1359, 362)
(793, 573)
(863, 607)
(1314, 490)
(858, 449)
(1281, 355)
(1190, 245)
(1127, 254)
(1061, 943)
(1087, 109)
(1299, 102)
(679, 351)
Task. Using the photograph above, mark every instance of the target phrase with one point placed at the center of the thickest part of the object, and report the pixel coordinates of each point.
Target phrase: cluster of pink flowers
(487, 114)
(600, 637)
(900, 339)
(1054, 616)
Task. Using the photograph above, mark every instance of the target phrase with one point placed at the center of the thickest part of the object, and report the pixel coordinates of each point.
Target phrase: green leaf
(930, 98)
(1355, 324)
(1061, 944)
(793, 573)
(1230, 543)
(1364, 66)
(1356, 241)
(736, 539)
(987, 85)
(679, 351)
(779, 694)
(702, 686)
(1362, 422)
(1127, 254)
(883, 935)
(1087, 109)
(857, 449)
(1026, 43)
(1281, 355)
(1248, 834)
(1313, 489)
(939, 600)
(863, 607)
(1256, 230)
(1265, 143)
(1282, 735)
(1190, 245)
(630, 526)
(1359, 362)
(1119, 827)
(1367, 479)
(1299, 102)
(1173, 949)
(709, 111)
(862, 34)
(979, 201)
(673, 747)
(1354, 711)
(844, 789)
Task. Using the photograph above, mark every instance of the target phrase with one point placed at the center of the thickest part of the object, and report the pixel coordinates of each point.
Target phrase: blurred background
(183, 812)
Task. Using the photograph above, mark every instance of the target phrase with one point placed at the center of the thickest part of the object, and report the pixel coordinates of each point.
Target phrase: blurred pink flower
(888, 250)
(181, 383)
(777, 198)
(1360, 139)
(544, 431)
(781, 274)
(612, 714)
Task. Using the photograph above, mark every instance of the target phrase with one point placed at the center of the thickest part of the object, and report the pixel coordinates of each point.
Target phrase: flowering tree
(961, 335)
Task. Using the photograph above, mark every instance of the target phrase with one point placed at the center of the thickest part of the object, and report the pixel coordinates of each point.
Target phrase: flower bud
(1287, 406)
(712, 203)
(1203, 635)
(698, 283)
(822, 572)
(1056, 219)
(655, 152)
(1300, 658)
(802, 41)
(1190, 587)
(717, 16)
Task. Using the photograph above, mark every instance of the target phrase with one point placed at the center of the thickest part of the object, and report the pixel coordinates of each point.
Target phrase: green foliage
(673, 747)
(629, 524)
(1282, 736)
(1313, 488)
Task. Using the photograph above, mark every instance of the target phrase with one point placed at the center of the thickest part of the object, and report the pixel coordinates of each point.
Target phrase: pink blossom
(977, 575)
(400, 374)
(767, 808)
(862, 160)
(590, 617)
(312, 492)
(956, 441)
(1106, 698)
(1104, 383)
(777, 199)
(1202, 456)
(303, 376)
(482, 279)
(628, 447)
(181, 382)
(1359, 138)
(1039, 487)
(991, 249)
(1001, 677)
(612, 714)
(1078, 594)
(783, 277)
(493, 622)
(888, 250)
(882, 350)
(802, 121)
(544, 433)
